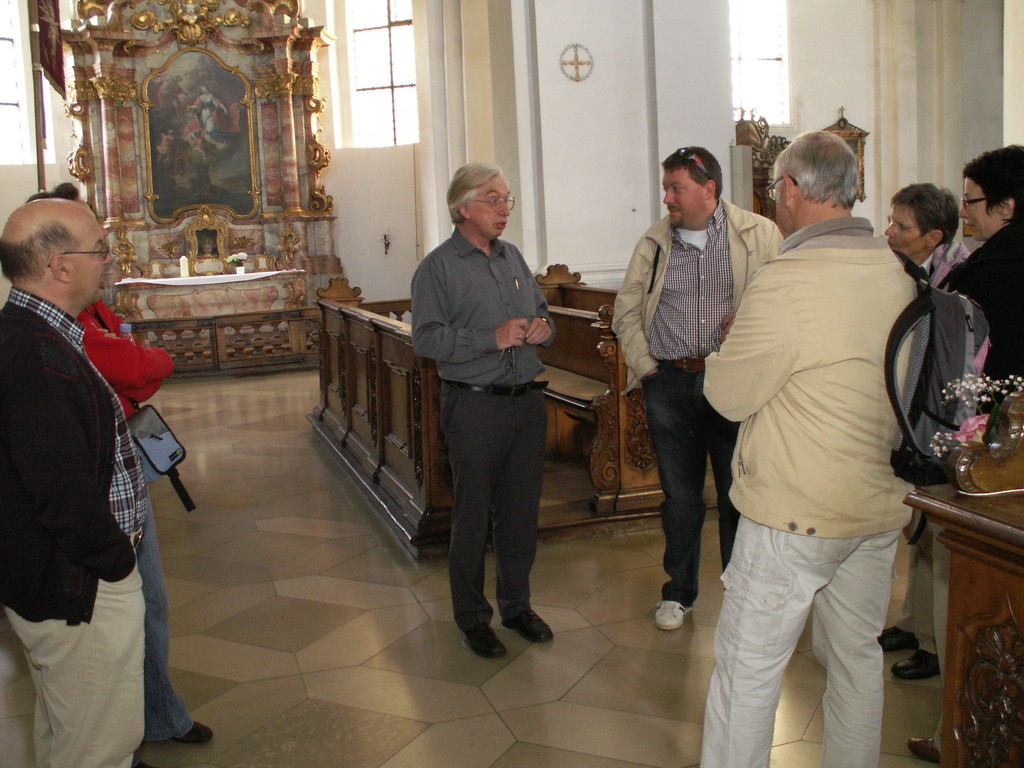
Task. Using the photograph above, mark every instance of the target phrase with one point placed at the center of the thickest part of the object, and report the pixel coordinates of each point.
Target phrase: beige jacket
(802, 368)
(753, 240)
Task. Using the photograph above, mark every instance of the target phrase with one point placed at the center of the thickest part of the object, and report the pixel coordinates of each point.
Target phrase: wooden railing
(273, 339)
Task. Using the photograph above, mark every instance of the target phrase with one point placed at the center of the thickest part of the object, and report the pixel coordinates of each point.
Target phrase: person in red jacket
(133, 371)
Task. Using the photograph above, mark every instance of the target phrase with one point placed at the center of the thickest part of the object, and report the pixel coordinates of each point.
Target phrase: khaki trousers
(773, 580)
(88, 680)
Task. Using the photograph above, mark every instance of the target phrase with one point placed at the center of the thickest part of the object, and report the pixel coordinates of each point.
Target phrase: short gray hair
(27, 259)
(464, 184)
(933, 207)
(823, 166)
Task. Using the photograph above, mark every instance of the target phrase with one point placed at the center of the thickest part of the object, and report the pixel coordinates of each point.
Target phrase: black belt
(494, 389)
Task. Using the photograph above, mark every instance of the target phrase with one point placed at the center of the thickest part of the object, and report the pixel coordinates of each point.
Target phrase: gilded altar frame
(260, 61)
(192, 134)
(207, 238)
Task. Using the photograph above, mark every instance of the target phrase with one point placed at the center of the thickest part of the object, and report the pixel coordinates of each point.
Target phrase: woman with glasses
(993, 208)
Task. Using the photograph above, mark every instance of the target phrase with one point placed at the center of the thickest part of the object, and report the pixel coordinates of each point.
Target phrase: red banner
(51, 49)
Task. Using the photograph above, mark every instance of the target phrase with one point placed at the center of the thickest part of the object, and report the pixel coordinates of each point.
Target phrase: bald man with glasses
(74, 497)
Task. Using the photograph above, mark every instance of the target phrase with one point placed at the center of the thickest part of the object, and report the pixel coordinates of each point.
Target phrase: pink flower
(973, 429)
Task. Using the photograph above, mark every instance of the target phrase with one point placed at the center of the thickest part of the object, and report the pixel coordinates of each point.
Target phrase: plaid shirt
(696, 296)
(127, 496)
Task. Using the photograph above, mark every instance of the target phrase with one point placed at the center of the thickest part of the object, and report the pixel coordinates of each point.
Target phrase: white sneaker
(669, 614)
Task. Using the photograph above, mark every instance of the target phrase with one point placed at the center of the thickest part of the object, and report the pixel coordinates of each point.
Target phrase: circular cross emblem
(576, 62)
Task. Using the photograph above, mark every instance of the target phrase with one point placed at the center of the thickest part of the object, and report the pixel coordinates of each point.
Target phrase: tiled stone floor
(306, 637)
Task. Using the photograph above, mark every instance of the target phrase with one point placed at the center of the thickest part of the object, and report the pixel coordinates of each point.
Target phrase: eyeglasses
(773, 190)
(103, 253)
(688, 154)
(497, 202)
(900, 227)
(967, 201)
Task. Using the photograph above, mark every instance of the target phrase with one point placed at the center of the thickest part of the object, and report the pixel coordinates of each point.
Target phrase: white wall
(1013, 45)
(832, 66)
(983, 76)
(693, 82)
(374, 193)
(594, 151)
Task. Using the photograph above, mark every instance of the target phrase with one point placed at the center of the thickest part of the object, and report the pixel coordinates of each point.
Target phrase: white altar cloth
(194, 280)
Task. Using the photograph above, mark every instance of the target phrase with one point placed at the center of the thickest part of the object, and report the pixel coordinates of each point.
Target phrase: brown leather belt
(688, 364)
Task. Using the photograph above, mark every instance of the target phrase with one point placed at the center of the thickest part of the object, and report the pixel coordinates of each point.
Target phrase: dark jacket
(57, 440)
(994, 277)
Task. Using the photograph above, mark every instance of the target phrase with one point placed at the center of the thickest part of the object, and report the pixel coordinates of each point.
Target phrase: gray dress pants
(496, 451)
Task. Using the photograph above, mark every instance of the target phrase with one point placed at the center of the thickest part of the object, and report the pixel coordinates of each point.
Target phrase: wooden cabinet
(983, 705)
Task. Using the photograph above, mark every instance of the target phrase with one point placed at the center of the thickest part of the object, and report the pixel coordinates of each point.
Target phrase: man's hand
(727, 326)
(538, 331)
(512, 333)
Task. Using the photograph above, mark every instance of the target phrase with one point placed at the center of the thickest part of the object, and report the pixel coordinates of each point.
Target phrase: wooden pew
(587, 410)
(380, 404)
(379, 413)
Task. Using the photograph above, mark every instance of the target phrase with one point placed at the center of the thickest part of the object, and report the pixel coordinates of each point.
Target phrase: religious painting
(854, 137)
(206, 238)
(199, 125)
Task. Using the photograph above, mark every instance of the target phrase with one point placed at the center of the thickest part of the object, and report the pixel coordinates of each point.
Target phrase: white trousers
(88, 679)
(773, 579)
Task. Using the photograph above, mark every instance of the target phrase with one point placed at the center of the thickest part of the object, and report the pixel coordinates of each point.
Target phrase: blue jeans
(684, 431)
(166, 714)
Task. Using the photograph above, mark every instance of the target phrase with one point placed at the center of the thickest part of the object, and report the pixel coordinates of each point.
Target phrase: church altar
(210, 295)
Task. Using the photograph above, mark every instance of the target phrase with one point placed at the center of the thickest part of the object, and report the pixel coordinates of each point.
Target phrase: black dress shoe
(895, 639)
(920, 666)
(197, 734)
(483, 642)
(529, 625)
(925, 749)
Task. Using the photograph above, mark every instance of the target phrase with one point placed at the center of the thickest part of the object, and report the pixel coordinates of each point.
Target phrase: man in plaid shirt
(680, 293)
(74, 496)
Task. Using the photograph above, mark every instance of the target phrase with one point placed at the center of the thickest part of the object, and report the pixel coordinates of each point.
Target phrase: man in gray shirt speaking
(478, 312)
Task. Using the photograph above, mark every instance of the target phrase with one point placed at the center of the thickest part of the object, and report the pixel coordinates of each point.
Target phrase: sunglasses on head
(687, 154)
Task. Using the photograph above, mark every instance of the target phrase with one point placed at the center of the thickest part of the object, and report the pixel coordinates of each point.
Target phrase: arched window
(760, 59)
(383, 61)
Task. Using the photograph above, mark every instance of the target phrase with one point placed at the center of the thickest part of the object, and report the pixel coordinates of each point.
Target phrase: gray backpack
(946, 331)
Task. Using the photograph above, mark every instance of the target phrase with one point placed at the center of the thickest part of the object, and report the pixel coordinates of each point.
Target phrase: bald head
(46, 248)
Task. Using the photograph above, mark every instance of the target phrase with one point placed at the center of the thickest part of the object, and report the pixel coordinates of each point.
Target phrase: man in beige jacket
(682, 287)
(821, 512)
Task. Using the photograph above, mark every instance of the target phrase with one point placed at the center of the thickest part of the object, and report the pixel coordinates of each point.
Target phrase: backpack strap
(654, 269)
(916, 271)
(917, 313)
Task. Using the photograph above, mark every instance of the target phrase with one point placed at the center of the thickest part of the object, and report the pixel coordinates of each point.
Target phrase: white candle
(183, 266)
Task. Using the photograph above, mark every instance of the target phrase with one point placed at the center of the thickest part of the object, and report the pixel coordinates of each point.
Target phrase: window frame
(736, 59)
(390, 86)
